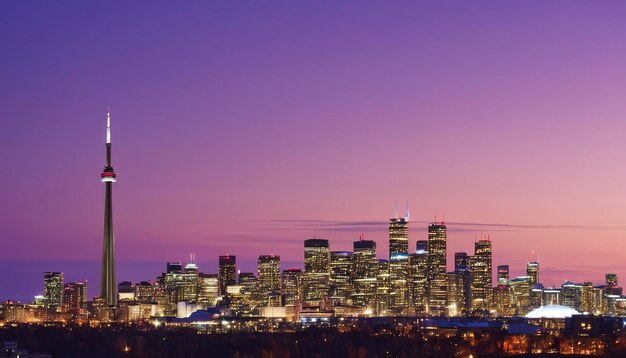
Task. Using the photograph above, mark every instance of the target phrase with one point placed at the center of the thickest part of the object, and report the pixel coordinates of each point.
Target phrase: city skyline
(219, 158)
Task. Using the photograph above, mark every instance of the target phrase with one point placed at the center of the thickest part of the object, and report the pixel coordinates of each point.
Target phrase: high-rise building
(364, 272)
(520, 295)
(316, 276)
(571, 295)
(503, 274)
(382, 288)
(340, 287)
(145, 292)
(481, 267)
(292, 293)
(399, 265)
(107, 278)
(612, 288)
(177, 285)
(75, 297)
(228, 272)
(532, 271)
(437, 278)
(126, 291)
(418, 278)
(459, 292)
(461, 261)
(208, 288)
(269, 280)
(53, 289)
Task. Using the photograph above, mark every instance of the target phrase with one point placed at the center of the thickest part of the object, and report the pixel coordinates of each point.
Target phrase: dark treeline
(312, 342)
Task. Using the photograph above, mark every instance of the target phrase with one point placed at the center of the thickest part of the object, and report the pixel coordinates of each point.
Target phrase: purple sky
(245, 127)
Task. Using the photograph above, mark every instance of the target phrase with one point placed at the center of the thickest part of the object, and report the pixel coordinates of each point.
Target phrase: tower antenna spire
(407, 211)
(108, 126)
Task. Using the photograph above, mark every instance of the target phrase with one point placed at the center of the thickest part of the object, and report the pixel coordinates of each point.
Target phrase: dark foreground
(312, 342)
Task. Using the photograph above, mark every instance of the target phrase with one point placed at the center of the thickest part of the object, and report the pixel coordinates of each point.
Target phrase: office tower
(126, 291)
(503, 274)
(532, 271)
(174, 267)
(145, 292)
(364, 272)
(75, 297)
(208, 289)
(536, 296)
(461, 261)
(53, 289)
(228, 272)
(107, 278)
(586, 297)
(418, 278)
(399, 265)
(502, 300)
(340, 287)
(177, 285)
(571, 295)
(437, 278)
(459, 292)
(292, 293)
(520, 295)
(382, 288)
(316, 277)
(269, 281)
(482, 287)
(612, 288)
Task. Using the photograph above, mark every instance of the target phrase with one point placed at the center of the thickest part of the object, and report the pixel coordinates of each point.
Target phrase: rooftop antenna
(396, 211)
(407, 210)
(435, 214)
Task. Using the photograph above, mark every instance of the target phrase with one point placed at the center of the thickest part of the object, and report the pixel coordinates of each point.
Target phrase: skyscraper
(481, 266)
(364, 272)
(532, 271)
(340, 287)
(437, 278)
(108, 177)
(53, 288)
(75, 297)
(291, 286)
(315, 280)
(269, 280)
(228, 272)
(418, 278)
(399, 264)
(503, 274)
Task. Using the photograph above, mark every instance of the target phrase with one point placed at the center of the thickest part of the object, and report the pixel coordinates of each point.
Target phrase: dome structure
(552, 311)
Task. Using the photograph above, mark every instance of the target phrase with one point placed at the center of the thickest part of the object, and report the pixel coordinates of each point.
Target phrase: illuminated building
(382, 288)
(459, 293)
(399, 265)
(551, 296)
(107, 278)
(502, 300)
(586, 297)
(126, 291)
(571, 295)
(228, 272)
(437, 278)
(537, 296)
(292, 291)
(532, 271)
(364, 272)
(144, 292)
(481, 269)
(53, 289)
(208, 289)
(340, 287)
(75, 297)
(269, 280)
(316, 276)
(461, 261)
(612, 288)
(418, 281)
(503, 274)
(520, 295)
(178, 285)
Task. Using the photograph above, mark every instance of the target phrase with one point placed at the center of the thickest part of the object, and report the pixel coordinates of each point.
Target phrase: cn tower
(108, 289)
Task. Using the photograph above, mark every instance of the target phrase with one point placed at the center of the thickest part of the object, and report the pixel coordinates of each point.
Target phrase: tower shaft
(108, 289)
